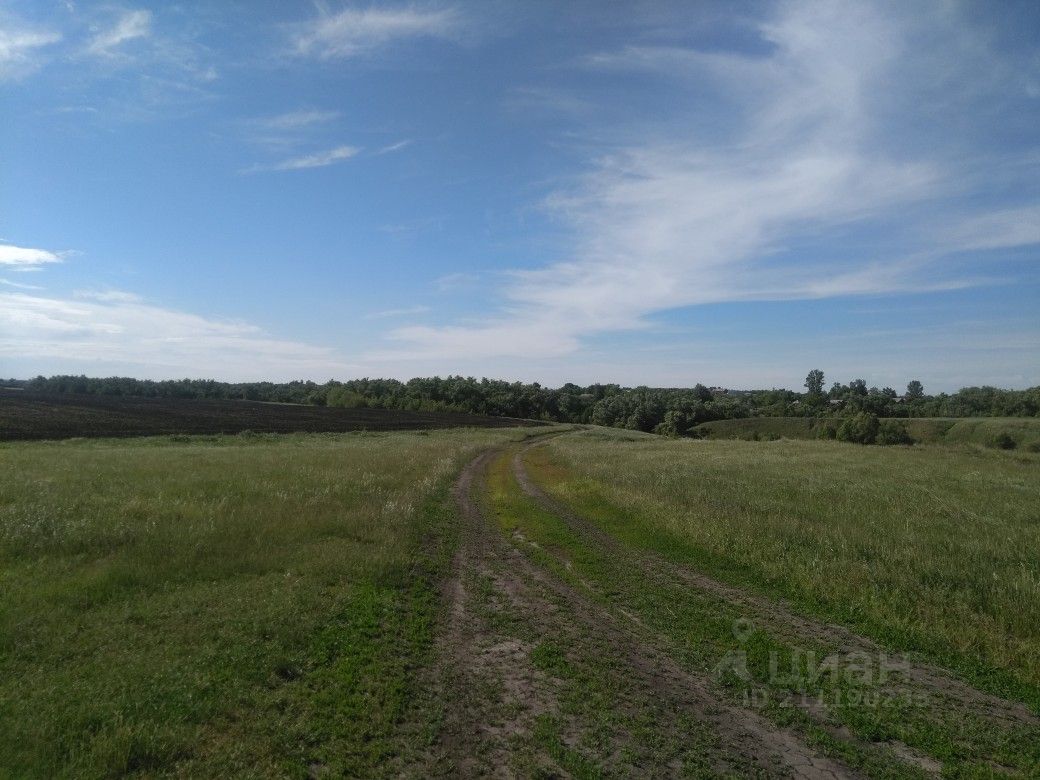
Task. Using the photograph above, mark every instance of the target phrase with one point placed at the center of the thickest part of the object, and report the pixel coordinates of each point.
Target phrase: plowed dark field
(34, 416)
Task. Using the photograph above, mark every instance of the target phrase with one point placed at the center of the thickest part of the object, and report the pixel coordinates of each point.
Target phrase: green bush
(828, 431)
(893, 432)
(675, 423)
(861, 428)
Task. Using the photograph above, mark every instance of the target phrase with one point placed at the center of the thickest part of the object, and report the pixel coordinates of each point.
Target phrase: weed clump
(1004, 441)
(893, 432)
(827, 431)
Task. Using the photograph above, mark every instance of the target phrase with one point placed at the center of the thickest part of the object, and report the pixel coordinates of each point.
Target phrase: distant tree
(814, 382)
(914, 390)
(675, 423)
(348, 399)
(639, 407)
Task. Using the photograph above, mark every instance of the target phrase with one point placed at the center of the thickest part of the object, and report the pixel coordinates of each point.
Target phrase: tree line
(669, 411)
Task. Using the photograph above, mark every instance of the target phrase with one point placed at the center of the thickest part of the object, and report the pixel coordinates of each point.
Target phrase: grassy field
(931, 549)
(983, 431)
(235, 605)
(635, 523)
(536, 602)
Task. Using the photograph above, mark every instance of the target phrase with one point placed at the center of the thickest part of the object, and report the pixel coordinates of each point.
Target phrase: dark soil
(26, 415)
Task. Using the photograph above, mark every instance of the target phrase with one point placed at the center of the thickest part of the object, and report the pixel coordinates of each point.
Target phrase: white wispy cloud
(108, 296)
(316, 160)
(357, 31)
(129, 26)
(115, 332)
(455, 281)
(160, 73)
(21, 256)
(395, 147)
(20, 48)
(407, 311)
(998, 230)
(675, 215)
(290, 132)
(20, 285)
(295, 120)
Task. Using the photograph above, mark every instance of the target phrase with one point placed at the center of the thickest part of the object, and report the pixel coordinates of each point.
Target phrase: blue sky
(646, 193)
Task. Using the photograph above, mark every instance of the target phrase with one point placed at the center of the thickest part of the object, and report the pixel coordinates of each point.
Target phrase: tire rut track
(489, 689)
(478, 738)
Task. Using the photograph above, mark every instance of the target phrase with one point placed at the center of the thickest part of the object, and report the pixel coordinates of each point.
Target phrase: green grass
(843, 532)
(262, 605)
(982, 431)
(617, 728)
(697, 631)
(932, 549)
(251, 605)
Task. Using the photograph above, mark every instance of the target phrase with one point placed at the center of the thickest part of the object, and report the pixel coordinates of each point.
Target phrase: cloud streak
(998, 230)
(307, 161)
(394, 147)
(296, 120)
(130, 26)
(19, 49)
(20, 285)
(407, 311)
(358, 31)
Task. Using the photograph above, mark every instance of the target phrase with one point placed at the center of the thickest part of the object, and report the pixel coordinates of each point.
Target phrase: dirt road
(539, 674)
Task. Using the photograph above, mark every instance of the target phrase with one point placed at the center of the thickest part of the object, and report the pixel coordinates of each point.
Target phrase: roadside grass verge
(927, 549)
(252, 605)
